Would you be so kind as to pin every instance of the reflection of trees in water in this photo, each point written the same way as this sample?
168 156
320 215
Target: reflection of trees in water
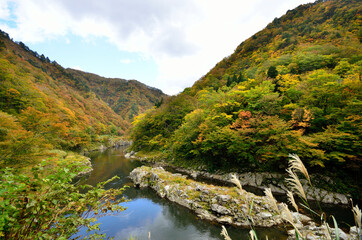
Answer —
184 222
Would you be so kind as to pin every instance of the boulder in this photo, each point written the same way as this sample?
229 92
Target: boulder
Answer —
220 209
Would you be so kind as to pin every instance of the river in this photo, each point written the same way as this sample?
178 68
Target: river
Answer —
147 212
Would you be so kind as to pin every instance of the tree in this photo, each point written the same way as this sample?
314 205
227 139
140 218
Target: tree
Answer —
272 72
47 205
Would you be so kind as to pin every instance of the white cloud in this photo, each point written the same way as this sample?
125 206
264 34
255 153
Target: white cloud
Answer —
77 68
125 61
186 38
4 10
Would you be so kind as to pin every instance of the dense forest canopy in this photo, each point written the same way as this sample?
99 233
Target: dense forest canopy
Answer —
44 106
46 112
294 87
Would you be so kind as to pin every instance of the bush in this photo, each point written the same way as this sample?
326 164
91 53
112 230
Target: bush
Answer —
46 205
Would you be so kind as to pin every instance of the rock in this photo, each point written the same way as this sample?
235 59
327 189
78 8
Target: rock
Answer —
343 235
213 204
340 198
328 198
167 189
225 220
220 209
154 177
204 214
353 230
301 218
223 198
194 174
355 233
130 154
258 179
138 177
265 215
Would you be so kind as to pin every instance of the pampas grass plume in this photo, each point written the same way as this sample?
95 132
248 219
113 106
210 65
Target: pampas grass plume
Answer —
357 216
291 200
224 233
295 184
296 164
269 195
236 181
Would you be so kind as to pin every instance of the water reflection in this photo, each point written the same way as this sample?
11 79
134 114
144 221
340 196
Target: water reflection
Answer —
149 213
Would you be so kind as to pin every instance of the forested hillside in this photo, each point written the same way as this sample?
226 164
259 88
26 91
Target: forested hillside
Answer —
294 87
128 98
44 106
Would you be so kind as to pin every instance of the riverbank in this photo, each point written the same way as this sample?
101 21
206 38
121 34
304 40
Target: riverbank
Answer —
259 180
225 205
105 144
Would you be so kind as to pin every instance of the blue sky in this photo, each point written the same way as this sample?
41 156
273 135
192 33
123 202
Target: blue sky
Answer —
97 55
164 44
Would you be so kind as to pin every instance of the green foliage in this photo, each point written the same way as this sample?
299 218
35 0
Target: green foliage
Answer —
272 72
53 107
293 87
153 128
126 98
45 204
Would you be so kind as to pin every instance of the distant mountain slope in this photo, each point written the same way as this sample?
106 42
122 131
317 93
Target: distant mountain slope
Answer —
294 87
127 98
44 106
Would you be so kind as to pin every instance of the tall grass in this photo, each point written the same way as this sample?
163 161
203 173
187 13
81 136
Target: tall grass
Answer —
296 166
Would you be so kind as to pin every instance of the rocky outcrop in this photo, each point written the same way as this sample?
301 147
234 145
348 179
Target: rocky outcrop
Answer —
88 167
225 205
313 232
274 181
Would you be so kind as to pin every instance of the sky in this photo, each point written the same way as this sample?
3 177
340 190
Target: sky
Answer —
164 44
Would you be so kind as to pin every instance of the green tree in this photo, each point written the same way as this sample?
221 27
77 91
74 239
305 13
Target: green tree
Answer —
45 204
272 72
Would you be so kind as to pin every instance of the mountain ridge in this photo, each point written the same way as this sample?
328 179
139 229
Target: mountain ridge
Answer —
293 87
59 108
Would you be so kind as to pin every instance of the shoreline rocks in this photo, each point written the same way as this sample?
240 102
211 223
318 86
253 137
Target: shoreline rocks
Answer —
226 205
87 162
261 180
214 203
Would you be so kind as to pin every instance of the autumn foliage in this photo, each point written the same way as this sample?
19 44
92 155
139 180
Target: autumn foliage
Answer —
299 92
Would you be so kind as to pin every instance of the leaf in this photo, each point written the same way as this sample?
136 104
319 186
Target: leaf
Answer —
336 229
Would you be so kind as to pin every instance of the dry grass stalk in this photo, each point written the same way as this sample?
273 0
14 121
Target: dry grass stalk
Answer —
236 181
252 235
287 216
295 184
357 216
296 164
291 200
269 195
224 233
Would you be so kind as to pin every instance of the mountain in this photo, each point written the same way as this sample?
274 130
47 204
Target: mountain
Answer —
44 106
127 98
293 87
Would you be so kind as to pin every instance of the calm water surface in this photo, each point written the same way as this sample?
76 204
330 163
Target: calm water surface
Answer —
146 212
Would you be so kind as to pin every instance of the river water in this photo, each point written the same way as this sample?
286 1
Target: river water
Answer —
148 213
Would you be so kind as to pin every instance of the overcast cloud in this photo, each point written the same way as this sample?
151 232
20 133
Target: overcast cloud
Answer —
186 38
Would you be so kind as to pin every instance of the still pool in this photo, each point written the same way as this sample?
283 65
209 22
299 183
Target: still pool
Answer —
148 214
